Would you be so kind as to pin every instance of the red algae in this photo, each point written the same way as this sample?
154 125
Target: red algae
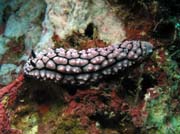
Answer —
157 108
9 91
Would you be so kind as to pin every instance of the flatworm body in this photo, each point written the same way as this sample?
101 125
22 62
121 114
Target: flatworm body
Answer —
86 66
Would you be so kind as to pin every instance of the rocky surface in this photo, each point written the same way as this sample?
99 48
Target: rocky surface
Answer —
144 99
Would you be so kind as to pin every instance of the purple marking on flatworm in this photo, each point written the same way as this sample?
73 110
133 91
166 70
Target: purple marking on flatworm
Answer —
86 66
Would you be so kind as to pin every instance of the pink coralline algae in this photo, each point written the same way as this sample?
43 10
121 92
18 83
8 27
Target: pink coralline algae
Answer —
86 66
90 103
9 91
4 122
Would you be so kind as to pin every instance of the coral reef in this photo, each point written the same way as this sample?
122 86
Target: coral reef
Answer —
8 96
63 20
142 99
20 29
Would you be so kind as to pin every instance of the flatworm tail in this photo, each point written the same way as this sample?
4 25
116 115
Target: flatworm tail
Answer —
83 67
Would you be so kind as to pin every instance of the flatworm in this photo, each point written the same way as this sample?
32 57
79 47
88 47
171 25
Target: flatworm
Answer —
86 66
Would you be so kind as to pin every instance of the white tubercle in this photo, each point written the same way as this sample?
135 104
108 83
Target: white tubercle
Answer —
51 54
39 64
78 62
61 68
97 60
60 60
50 64
45 59
58 76
42 73
88 68
131 55
121 56
76 70
68 69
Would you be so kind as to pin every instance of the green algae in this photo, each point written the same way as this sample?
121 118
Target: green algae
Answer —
28 123
71 126
162 117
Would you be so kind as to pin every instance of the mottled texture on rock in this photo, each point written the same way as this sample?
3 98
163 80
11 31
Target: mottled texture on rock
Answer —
20 26
3 48
22 20
5 73
65 17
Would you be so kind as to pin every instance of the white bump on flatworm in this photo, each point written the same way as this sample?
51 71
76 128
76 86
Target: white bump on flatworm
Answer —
104 52
94 77
76 69
34 60
48 74
60 60
52 75
110 48
135 56
84 77
121 55
116 45
88 68
115 69
73 61
107 71
50 64
115 53
105 63
84 55
82 51
39 64
30 73
58 76
42 73
78 62
111 61
72 50
129 46
50 50
97 60
90 55
75 55
40 55
81 82
68 54
139 51
130 63
93 51
29 67
61 52
89 50
45 59
111 55
96 67
61 68
125 63
125 44
119 65
50 54
36 73
68 69
135 45
69 78
131 55
72 81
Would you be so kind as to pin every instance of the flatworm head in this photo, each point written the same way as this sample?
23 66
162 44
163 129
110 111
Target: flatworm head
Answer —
86 66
